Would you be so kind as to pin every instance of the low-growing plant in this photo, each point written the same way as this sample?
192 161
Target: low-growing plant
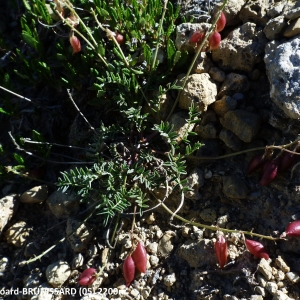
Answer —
123 54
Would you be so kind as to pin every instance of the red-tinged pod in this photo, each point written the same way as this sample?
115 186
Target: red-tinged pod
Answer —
75 43
221 251
139 257
220 25
293 229
128 270
87 277
270 171
256 163
257 249
197 37
287 160
120 38
214 40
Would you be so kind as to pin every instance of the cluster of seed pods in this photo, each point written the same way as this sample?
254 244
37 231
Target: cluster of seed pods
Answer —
137 260
271 167
214 39
254 247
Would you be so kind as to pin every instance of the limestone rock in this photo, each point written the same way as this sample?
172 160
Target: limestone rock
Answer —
274 27
17 234
169 280
265 269
293 13
283 70
58 273
208 215
231 11
241 49
203 63
279 295
275 9
200 90
37 194
8 205
185 31
195 180
271 287
199 253
244 124
165 245
208 117
208 131
234 83
180 125
234 187
217 74
81 236
255 11
281 264
220 107
230 139
63 205
293 28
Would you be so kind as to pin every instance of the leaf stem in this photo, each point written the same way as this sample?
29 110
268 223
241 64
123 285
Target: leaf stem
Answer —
282 147
159 33
216 228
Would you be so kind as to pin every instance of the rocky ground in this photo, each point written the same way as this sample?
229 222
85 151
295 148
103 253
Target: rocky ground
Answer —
247 92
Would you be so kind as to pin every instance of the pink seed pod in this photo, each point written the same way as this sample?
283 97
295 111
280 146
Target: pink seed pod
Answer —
293 229
221 251
287 160
214 40
270 171
87 277
256 163
197 37
128 270
75 43
221 22
257 249
139 257
120 38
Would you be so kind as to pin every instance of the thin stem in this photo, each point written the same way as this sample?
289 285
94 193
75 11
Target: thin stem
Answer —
59 242
10 169
45 159
282 147
110 34
180 205
195 58
159 33
69 5
15 94
216 228
25 140
133 219
77 108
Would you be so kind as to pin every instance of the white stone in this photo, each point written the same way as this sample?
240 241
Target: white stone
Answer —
37 194
58 273
8 205
282 61
200 89
271 287
169 280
